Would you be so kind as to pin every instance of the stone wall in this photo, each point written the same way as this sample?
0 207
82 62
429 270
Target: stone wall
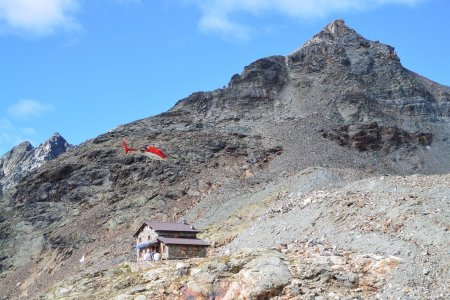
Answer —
185 251
164 250
147 234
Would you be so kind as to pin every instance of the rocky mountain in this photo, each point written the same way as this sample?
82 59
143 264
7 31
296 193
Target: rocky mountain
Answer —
24 158
313 152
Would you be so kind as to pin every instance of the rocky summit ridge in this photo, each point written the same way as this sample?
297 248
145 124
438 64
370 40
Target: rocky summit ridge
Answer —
314 155
24 158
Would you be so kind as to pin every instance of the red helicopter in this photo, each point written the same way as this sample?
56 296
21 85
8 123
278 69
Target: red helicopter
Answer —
149 151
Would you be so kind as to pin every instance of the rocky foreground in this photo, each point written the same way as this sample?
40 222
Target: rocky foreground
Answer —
376 238
301 270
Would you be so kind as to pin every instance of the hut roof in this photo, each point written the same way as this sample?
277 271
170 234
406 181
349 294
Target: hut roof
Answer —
180 241
168 226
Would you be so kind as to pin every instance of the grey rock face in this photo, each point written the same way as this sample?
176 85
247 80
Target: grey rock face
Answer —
12 158
249 95
261 278
15 165
24 158
373 137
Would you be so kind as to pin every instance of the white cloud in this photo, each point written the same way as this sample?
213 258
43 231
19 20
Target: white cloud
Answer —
16 128
221 23
38 17
218 15
28 108
43 17
11 135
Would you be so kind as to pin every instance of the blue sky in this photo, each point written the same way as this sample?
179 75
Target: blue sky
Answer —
82 67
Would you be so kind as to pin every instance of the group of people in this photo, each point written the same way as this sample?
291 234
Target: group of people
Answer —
152 255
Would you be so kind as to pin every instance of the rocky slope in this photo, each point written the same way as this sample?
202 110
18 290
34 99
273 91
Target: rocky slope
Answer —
15 165
292 144
377 238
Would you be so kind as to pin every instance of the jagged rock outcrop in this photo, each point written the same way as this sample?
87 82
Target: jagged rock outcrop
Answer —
339 102
249 95
373 137
24 158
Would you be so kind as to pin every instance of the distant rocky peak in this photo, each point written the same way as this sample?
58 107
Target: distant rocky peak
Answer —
22 147
18 150
52 147
336 32
339 28
337 49
13 157
23 158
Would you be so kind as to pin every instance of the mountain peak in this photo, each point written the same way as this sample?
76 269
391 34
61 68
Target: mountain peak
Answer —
335 32
51 148
338 28
23 158
22 147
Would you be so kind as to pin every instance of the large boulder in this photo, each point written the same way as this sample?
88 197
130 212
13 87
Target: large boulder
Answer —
263 277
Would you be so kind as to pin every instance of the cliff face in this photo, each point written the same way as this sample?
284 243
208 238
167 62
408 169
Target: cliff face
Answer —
24 158
340 102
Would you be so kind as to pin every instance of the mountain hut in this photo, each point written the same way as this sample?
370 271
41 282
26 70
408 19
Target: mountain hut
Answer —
166 240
